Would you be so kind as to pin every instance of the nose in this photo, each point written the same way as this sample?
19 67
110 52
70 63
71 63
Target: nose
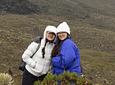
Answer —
52 34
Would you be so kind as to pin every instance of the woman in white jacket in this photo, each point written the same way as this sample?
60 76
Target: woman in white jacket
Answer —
38 66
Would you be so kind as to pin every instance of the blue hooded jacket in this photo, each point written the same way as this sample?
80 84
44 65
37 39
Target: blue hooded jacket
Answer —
69 59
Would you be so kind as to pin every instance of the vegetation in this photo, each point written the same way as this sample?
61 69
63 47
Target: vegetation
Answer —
92 29
18 31
66 78
18 7
5 79
96 14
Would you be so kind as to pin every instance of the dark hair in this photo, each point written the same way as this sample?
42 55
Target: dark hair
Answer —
43 50
56 48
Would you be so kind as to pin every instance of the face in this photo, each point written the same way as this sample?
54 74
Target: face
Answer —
50 36
62 35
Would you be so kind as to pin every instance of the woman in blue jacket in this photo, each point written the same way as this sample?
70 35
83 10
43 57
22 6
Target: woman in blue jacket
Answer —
65 55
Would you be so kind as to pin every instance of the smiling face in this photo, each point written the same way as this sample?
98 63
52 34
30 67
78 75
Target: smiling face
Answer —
50 36
62 35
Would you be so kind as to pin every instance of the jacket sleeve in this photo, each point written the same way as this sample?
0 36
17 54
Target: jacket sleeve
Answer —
68 56
29 52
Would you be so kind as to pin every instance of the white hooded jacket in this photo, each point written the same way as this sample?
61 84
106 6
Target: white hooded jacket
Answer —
37 65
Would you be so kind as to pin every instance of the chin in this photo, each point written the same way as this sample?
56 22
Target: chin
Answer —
61 39
51 41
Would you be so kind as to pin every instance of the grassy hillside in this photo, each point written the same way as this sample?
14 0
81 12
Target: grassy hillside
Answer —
85 37
18 31
92 26
106 5
95 14
18 7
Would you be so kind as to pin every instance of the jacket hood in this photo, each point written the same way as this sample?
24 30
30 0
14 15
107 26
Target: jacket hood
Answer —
63 27
51 29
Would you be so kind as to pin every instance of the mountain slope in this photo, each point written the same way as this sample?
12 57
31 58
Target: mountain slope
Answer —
92 29
18 7
18 31
97 14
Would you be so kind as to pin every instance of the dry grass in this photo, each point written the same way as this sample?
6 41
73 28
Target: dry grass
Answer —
92 26
18 31
98 66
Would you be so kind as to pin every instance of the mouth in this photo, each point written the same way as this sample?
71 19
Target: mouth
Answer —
60 37
50 37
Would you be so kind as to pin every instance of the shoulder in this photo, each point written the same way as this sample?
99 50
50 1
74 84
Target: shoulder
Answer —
33 44
38 39
68 41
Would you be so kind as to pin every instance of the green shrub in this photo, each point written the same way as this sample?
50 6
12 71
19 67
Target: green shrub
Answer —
66 78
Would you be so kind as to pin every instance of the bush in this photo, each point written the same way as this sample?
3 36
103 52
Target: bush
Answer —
66 78
5 79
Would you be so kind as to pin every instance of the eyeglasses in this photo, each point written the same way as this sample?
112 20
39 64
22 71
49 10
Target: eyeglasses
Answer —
59 33
50 32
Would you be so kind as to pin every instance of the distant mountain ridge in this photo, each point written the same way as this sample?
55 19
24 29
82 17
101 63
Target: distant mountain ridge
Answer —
98 14
18 7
